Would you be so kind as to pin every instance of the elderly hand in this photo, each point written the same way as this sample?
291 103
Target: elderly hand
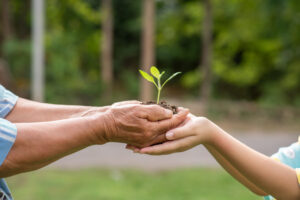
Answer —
136 124
87 111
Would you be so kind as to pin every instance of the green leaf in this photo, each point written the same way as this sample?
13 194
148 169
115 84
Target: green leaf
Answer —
170 78
155 72
147 76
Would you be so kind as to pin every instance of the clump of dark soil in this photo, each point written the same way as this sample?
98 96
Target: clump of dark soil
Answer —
163 104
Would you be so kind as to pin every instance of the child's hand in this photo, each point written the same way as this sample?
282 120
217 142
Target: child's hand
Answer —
194 131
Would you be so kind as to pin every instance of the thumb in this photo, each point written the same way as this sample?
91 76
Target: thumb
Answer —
155 113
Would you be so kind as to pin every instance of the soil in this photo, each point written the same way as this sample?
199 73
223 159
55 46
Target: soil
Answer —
163 104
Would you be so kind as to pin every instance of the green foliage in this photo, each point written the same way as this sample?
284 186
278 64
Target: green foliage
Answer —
17 52
148 77
130 80
155 72
255 48
72 47
191 79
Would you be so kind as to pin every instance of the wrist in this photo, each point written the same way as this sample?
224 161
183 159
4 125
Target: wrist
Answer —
216 134
207 131
97 128
86 111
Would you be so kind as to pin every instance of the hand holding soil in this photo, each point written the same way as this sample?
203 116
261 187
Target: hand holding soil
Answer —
137 124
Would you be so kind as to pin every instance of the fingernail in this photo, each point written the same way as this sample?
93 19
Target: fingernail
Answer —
169 135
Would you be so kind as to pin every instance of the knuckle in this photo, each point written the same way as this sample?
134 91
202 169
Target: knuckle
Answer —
148 134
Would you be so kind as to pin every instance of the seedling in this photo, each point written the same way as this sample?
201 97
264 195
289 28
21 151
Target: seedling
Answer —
155 72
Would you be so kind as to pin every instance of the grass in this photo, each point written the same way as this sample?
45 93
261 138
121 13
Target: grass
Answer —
92 184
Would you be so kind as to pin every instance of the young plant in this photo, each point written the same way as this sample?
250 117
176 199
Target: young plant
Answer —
155 72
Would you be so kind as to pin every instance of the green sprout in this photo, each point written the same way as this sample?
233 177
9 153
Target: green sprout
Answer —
155 72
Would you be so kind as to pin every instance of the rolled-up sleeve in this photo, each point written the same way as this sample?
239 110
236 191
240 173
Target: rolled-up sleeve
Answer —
8 131
7 101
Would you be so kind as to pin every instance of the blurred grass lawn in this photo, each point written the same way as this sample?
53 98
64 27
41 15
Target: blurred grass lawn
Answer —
189 184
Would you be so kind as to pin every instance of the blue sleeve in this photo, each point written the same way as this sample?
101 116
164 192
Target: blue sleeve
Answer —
7 101
8 134
289 156
8 131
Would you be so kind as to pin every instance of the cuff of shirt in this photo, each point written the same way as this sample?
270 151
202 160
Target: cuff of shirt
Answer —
8 134
7 103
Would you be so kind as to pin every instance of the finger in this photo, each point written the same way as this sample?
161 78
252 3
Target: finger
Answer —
159 139
155 113
179 132
169 147
175 121
133 148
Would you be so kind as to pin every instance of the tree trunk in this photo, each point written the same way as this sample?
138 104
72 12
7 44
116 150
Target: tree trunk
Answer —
4 74
6 19
148 51
38 49
206 58
5 22
107 47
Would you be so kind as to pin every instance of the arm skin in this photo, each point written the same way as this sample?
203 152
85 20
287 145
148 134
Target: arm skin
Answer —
247 165
31 111
234 172
38 144
273 177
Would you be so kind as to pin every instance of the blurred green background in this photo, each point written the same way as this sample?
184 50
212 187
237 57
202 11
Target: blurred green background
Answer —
254 74
256 51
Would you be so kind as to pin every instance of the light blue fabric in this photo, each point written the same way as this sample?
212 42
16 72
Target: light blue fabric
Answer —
290 156
8 132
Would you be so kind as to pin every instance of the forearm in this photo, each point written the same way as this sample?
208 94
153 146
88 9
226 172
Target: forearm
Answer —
234 172
31 111
271 176
38 144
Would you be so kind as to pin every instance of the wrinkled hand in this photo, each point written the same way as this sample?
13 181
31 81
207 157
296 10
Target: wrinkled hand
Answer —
91 111
193 131
138 125
123 103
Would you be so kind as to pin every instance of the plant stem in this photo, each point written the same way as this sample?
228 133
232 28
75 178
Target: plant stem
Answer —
158 96
159 89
